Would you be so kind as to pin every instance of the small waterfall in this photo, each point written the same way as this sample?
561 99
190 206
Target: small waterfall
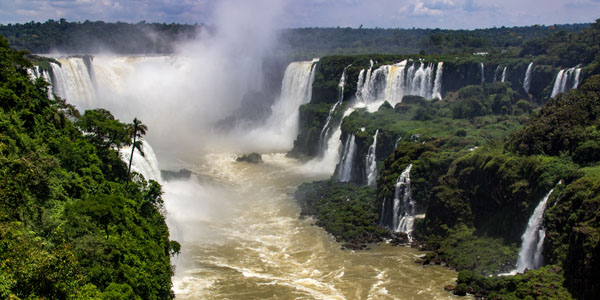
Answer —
392 82
530 255
437 85
371 162
325 130
527 80
503 75
496 73
348 154
36 73
404 206
72 82
146 165
482 73
566 79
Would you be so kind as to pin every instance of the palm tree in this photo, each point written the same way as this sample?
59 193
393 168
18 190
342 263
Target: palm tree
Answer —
139 130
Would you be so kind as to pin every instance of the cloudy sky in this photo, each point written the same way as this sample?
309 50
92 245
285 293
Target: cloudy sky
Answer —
323 13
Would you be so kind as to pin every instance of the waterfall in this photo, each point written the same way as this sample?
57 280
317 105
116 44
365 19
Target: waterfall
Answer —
527 80
437 85
72 82
36 73
482 73
146 165
404 206
325 130
530 255
348 154
392 82
371 162
503 75
496 72
566 79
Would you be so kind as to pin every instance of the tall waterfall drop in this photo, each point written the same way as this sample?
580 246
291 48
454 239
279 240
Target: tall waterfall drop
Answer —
482 73
496 73
404 205
566 79
347 161
146 165
504 74
530 255
371 162
73 82
392 82
326 128
527 80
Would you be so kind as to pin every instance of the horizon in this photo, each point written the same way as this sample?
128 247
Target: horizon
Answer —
384 14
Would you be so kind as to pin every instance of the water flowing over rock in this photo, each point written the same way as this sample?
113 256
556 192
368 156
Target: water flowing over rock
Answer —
72 81
296 89
504 74
36 72
392 82
371 162
347 160
530 255
482 73
527 80
326 128
566 79
146 165
404 205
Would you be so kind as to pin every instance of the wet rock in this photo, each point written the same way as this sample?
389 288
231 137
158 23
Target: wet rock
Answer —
168 175
253 158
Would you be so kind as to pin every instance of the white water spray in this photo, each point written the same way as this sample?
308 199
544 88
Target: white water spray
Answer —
325 130
347 161
527 80
530 255
566 79
404 206
482 73
392 82
371 162
504 74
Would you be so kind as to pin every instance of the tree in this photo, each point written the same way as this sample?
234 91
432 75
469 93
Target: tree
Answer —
138 130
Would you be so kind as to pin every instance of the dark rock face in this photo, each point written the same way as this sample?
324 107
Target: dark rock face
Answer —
253 158
174 175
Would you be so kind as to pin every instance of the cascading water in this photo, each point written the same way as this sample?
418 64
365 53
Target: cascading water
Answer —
371 162
392 82
566 79
146 165
347 161
527 80
72 81
404 206
36 72
530 255
482 73
496 72
326 129
503 75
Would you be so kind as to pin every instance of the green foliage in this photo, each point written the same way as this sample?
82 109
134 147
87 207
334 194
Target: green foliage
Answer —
545 283
71 224
345 210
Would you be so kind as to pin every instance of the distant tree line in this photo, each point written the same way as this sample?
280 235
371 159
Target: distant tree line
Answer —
143 38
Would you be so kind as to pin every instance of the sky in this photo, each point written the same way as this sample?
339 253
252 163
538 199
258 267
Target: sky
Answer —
447 14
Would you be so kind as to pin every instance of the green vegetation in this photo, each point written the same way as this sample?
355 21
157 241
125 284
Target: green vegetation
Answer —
484 157
345 210
72 224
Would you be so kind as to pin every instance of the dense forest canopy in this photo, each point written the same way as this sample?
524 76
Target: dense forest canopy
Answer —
95 36
72 224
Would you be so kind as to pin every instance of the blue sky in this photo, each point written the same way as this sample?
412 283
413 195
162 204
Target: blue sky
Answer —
323 13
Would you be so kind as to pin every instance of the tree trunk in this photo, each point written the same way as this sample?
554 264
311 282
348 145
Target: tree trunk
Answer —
131 157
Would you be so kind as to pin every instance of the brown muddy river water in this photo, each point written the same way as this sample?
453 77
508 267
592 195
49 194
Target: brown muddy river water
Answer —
242 238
